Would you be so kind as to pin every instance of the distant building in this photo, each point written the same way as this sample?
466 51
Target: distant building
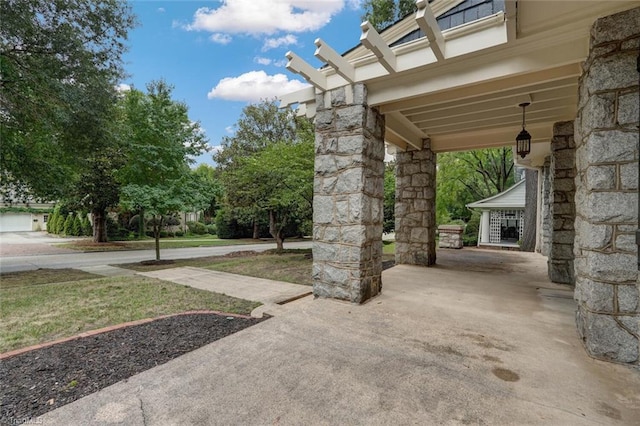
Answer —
502 221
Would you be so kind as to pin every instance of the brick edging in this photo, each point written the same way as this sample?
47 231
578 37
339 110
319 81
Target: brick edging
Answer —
90 333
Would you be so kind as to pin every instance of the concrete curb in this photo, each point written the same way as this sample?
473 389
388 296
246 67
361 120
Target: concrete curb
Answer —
90 333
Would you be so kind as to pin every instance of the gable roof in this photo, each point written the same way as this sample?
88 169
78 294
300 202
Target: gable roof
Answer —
513 197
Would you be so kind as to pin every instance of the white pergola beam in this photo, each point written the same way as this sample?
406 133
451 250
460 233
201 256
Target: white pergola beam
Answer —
325 53
405 130
427 22
308 94
298 65
375 43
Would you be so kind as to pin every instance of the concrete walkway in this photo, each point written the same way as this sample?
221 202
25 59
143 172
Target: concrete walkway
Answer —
269 292
462 343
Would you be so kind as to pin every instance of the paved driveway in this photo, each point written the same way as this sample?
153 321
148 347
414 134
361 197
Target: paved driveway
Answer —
31 244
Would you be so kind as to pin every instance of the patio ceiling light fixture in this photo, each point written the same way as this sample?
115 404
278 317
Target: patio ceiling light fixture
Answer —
523 140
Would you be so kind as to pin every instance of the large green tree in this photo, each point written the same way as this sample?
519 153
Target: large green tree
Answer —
59 64
161 144
382 13
260 125
465 177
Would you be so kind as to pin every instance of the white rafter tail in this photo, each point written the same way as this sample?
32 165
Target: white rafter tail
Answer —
325 53
299 66
372 41
427 22
308 94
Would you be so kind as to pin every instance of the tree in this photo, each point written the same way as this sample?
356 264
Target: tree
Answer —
382 13
162 143
389 203
211 187
464 177
259 126
528 242
277 180
59 63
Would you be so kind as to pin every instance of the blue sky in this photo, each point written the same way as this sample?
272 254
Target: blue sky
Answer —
222 54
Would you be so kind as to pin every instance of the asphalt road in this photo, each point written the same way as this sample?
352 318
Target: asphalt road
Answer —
75 260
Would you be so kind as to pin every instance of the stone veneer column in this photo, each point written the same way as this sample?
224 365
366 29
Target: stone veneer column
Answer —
546 219
348 196
563 211
608 315
416 206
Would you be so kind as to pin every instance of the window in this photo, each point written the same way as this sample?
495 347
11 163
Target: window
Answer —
45 218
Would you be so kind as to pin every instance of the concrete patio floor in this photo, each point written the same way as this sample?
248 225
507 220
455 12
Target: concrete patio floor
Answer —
484 338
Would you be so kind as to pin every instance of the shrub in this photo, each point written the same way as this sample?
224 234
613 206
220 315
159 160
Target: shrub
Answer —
113 229
76 226
211 229
52 222
178 234
197 228
164 234
87 228
60 224
67 227
470 235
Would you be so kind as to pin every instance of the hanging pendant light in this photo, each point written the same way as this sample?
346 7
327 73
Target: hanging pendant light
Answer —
523 140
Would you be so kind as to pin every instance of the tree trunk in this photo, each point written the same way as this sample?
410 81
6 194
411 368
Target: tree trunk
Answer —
528 242
99 217
157 225
256 230
141 227
275 230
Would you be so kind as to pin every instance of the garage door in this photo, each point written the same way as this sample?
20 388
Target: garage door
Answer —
15 222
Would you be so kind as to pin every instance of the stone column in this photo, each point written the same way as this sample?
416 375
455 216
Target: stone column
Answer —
348 196
416 206
563 212
608 316
546 218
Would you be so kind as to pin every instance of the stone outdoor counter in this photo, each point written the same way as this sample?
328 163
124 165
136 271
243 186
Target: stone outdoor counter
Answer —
450 236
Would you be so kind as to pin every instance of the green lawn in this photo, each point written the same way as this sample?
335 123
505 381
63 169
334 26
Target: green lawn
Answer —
165 243
33 312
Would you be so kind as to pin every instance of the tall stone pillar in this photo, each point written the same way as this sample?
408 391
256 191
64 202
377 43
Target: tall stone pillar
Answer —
608 316
546 219
416 206
563 212
348 196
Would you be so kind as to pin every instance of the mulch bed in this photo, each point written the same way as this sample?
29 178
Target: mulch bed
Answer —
44 379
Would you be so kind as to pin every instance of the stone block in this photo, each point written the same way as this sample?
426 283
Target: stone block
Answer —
630 44
349 181
353 144
353 234
626 242
629 176
612 72
560 271
325 165
360 94
605 339
322 209
591 236
419 179
628 106
349 118
563 237
562 251
596 296
611 146
601 177
629 299
563 128
599 111
611 267
324 252
338 97
324 120
616 27
611 207
566 184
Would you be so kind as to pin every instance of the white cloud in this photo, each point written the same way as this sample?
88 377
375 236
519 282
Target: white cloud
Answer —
266 16
254 86
262 61
161 10
220 38
122 87
281 63
274 43
230 130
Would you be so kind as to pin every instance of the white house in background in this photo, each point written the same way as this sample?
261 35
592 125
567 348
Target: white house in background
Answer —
502 219
23 215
